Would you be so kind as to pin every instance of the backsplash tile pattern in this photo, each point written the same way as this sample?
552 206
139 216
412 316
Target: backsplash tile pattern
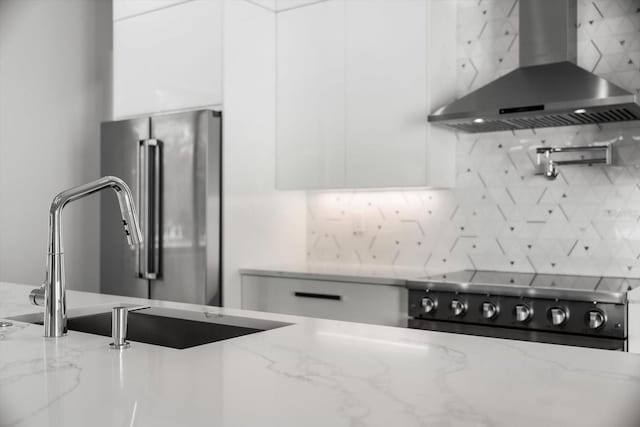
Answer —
487 37
500 216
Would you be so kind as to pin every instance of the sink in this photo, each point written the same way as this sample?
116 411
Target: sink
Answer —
165 327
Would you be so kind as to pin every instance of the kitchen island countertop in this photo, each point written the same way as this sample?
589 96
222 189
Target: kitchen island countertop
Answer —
366 274
313 373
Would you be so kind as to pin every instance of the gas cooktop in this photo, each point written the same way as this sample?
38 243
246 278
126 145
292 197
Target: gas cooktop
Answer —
479 278
556 306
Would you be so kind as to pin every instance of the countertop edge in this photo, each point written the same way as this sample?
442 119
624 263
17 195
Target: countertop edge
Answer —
331 276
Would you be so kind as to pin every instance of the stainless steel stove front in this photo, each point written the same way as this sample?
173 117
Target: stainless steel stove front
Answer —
602 343
564 310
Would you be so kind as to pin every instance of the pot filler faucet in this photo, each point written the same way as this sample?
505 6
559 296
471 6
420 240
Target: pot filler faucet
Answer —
52 293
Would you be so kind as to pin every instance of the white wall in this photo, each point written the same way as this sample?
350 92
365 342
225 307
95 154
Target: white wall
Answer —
261 225
54 91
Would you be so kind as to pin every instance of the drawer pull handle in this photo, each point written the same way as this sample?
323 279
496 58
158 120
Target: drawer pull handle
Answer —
318 296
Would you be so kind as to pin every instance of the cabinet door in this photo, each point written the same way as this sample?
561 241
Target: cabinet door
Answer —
633 316
356 80
127 8
168 59
310 107
386 92
441 89
354 302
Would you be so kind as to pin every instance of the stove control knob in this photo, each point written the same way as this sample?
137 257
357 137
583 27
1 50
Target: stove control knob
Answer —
595 319
558 316
428 305
458 307
523 313
489 310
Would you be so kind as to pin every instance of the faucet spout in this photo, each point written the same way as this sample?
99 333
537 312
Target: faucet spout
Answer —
54 301
129 216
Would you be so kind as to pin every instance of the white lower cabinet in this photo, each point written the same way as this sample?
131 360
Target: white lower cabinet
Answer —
354 302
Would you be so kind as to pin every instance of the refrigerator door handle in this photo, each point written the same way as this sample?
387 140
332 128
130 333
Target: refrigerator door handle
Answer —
149 182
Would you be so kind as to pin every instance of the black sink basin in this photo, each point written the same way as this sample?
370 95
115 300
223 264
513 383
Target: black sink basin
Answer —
160 330
169 327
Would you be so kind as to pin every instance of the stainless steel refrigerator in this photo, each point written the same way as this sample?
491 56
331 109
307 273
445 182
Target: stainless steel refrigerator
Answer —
172 163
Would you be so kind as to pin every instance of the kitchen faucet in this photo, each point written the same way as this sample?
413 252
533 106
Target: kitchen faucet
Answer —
52 293
548 167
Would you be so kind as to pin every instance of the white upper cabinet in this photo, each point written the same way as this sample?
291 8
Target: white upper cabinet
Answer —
441 90
355 86
310 98
128 8
291 4
167 59
386 92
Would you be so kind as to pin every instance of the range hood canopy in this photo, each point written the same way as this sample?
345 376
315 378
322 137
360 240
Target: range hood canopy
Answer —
548 89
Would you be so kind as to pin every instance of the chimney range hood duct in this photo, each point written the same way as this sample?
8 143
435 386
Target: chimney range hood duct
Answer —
548 89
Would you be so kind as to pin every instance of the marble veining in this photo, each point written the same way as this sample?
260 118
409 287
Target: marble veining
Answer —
313 373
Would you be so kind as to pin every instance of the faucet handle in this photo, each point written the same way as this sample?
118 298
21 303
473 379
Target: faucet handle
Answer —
119 328
36 296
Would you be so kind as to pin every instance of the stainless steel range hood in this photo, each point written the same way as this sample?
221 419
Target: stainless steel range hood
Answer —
548 89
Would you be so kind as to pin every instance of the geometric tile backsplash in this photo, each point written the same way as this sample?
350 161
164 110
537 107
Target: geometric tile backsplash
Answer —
500 215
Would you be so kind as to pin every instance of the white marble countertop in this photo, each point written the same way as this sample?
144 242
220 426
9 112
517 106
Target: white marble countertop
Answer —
314 373
368 274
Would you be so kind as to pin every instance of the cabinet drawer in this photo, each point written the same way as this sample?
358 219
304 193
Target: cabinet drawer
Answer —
354 302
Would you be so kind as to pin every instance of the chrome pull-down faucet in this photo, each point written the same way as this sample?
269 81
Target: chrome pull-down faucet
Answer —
52 293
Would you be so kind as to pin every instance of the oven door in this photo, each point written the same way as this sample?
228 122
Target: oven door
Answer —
519 334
